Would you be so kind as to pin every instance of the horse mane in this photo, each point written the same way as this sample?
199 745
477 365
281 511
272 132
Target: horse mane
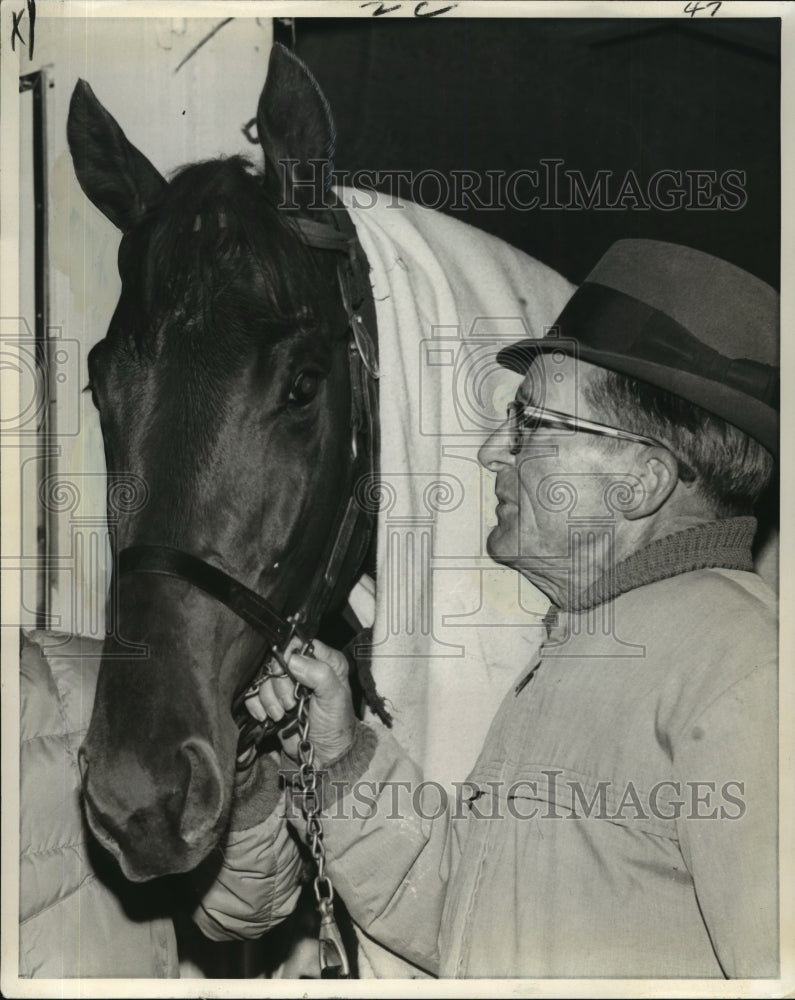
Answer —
219 257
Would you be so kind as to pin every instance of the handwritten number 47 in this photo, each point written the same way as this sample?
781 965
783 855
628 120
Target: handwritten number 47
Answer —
694 7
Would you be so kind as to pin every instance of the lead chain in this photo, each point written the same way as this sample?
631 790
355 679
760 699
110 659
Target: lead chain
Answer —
333 958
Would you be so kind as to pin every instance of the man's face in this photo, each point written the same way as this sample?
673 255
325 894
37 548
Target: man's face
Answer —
559 481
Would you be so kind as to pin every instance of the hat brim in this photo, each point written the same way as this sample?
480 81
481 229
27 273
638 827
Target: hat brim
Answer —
751 416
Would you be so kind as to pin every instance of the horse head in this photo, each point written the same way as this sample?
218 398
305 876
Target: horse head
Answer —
223 389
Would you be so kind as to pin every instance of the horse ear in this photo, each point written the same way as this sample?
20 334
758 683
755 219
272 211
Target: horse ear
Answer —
296 131
115 176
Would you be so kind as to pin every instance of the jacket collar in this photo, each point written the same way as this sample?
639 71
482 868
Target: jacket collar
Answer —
724 544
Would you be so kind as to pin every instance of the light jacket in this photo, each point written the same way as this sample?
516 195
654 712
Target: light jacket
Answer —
621 819
79 917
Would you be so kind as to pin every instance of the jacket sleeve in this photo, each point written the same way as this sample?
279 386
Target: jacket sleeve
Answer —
389 845
728 832
259 881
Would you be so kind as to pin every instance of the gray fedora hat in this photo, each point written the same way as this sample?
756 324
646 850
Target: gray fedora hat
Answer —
682 320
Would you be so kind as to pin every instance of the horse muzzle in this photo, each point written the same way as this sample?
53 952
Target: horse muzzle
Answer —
155 823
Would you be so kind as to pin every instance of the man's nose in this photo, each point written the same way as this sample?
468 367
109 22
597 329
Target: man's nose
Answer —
496 449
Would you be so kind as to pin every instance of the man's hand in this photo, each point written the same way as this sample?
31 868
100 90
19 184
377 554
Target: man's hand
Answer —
331 716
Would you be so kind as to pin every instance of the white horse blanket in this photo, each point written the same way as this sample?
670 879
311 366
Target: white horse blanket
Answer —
452 629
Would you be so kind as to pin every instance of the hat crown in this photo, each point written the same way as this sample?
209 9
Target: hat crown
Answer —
722 305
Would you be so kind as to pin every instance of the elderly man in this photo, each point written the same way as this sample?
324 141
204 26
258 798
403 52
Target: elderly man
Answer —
621 819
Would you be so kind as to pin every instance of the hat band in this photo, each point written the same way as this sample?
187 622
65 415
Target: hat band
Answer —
613 322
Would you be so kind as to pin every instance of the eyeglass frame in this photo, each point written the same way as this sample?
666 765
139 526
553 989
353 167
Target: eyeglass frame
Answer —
519 421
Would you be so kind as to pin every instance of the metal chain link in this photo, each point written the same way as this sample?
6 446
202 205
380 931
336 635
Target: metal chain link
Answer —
333 958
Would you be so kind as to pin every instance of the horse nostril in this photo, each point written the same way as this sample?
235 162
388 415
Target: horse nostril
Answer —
204 797
103 835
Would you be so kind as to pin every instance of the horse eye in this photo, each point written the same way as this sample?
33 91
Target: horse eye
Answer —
305 388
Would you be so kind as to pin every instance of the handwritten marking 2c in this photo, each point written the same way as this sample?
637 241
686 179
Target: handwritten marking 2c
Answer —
419 8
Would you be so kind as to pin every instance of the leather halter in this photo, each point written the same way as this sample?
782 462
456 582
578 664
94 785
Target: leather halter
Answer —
350 536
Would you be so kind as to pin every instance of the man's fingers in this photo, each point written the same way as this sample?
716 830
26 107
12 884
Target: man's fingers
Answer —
255 707
319 675
326 655
269 700
325 673
284 689
274 697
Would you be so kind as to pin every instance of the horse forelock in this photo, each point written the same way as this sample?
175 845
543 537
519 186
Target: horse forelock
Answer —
218 262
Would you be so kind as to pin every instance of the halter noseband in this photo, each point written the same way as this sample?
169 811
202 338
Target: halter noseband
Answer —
353 526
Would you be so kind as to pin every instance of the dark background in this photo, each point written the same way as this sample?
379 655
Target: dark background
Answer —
615 94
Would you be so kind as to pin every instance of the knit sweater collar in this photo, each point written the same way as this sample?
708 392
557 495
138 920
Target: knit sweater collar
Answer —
724 544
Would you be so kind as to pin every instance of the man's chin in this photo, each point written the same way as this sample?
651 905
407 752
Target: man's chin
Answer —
501 548
534 568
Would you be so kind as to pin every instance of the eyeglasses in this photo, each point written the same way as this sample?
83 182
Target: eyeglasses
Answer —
522 419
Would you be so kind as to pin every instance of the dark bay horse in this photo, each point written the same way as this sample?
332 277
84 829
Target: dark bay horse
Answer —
226 385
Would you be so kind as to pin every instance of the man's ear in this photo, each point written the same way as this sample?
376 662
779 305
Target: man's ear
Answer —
658 472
